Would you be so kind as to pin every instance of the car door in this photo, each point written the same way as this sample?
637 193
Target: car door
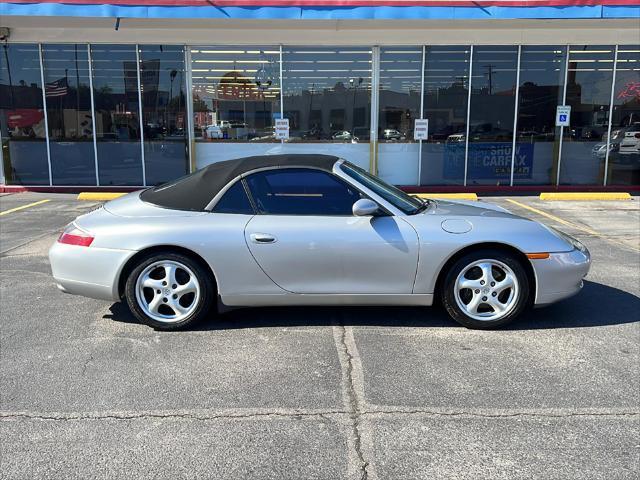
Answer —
306 239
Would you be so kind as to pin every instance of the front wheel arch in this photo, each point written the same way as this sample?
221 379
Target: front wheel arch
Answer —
526 264
135 259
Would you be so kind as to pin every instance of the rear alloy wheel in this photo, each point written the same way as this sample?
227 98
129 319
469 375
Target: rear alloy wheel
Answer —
486 289
169 291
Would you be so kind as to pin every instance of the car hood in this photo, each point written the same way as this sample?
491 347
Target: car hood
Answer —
479 222
131 205
452 208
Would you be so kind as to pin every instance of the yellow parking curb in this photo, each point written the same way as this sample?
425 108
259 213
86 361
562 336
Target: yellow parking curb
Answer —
585 196
448 196
99 196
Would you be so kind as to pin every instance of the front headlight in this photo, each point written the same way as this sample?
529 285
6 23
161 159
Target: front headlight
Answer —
577 244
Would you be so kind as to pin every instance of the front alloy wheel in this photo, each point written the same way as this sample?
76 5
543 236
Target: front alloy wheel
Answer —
486 289
168 291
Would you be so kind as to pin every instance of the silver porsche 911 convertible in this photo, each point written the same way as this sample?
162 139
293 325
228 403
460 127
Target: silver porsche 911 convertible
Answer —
310 230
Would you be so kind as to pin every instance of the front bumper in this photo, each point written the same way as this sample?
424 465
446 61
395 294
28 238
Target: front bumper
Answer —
88 271
560 276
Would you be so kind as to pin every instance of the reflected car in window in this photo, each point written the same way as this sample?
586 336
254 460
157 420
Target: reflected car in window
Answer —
630 142
390 134
213 132
456 138
344 136
599 150
305 229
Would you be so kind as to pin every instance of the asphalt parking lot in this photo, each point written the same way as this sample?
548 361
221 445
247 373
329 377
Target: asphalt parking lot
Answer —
320 393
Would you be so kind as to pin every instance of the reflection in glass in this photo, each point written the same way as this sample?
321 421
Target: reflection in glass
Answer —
400 88
236 100
66 77
542 70
589 78
236 93
493 87
24 149
327 99
115 92
399 99
624 152
327 94
162 82
446 84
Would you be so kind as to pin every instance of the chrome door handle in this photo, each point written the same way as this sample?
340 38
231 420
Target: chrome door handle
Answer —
262 238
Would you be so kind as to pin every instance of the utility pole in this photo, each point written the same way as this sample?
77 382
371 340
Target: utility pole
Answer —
490 75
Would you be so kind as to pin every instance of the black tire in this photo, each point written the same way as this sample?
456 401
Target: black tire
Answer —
448 294
199 311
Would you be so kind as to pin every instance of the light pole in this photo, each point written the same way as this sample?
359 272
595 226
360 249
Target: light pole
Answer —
353 109
172 76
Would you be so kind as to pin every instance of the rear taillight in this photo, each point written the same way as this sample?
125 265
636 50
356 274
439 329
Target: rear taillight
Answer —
72 235
637 135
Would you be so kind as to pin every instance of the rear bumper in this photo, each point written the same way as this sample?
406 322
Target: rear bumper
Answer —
88 271
560 276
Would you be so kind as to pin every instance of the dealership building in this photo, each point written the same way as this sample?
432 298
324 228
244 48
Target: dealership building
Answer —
507 95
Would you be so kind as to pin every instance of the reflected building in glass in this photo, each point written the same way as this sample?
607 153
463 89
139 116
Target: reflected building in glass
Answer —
70 122
136 115
22 117
446 99
542 72
164 112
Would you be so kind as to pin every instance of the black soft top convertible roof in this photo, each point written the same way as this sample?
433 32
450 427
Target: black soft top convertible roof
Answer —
195 191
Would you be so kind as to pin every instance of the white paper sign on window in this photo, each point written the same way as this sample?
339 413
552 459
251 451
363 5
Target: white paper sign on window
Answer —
421 129
282 128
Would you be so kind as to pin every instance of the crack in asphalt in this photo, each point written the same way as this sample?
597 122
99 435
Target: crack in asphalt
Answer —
432 413
354 407
354 415
3 253
13 255
86 364
26 271
166 415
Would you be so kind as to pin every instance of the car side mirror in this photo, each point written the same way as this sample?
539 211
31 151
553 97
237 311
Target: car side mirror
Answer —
365 208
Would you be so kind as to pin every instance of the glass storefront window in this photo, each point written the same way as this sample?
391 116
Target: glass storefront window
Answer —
24 149
66 77
115 93
446 91
493 92
589 78
327 99
236 100
162 83
325 93
542 71
624 152
399 106
400 77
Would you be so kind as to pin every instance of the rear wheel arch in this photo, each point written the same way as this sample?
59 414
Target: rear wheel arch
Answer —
504 247
135 259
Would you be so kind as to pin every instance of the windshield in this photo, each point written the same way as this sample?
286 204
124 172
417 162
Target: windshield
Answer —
404 202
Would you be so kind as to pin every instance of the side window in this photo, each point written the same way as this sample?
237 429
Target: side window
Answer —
300 191
234 200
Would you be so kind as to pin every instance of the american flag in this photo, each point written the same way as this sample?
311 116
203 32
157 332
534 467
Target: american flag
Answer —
57 88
